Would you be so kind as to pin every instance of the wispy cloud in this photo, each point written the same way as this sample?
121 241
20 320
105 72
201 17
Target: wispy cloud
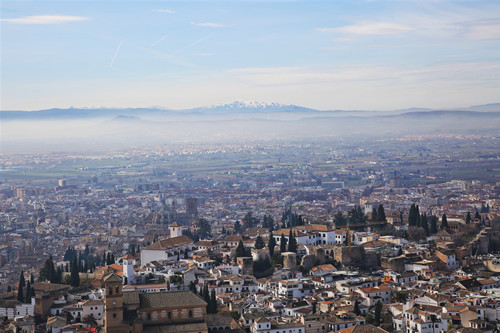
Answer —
116 54
158 41
194 43
369 28
168 11
456 72
44 19
481 29
208 24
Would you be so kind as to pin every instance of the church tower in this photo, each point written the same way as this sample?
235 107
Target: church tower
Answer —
113 304
175 230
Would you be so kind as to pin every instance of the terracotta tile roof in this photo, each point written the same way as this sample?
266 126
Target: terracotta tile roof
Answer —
170 300
169 243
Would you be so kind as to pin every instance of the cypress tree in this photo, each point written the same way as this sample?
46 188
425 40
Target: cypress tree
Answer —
22 283
357 311
213 302
444 222
28 293
467 218
259 243
20 294
283 242
423 223
374 214
237 227
240 250
271 244
74 277
381 213
292 242
206 295
477 216
378 313
434 229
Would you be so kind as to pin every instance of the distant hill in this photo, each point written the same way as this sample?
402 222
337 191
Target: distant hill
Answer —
495 107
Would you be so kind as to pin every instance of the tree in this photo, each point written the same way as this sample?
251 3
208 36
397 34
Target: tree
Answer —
378 313
381 213
468 218
20 294
240 250
213 302
414 216
433 229
283 242
206 295
204 229
249 221
271 244
292 242
28 293
268 222
357 216
477 216
74 276
374 214
357 311
259 243
444 222
237 227
339 219
400 296
22 283
423 223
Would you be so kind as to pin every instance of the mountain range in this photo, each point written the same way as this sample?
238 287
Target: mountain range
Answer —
235 108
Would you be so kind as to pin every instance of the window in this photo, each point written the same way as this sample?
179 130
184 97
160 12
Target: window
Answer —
117 290
149 316
114 315
190 313
170 315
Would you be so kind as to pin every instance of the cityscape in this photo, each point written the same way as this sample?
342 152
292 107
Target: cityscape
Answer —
307 167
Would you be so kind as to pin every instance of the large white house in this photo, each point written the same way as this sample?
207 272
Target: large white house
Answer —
167 249
311 234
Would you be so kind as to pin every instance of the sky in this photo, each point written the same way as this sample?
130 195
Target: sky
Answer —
327 55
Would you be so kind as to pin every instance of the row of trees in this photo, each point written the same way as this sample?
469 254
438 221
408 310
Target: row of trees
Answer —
290 219
25 291
207 296
286 245
48 272
378 214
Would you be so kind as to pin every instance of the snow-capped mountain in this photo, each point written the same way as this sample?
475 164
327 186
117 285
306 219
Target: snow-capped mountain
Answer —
251 106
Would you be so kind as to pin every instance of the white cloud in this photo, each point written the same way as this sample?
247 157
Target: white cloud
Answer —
208 24
168 11
369 28
45 19
482 29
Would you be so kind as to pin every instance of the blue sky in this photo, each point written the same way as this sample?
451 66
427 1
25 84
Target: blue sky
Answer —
321 54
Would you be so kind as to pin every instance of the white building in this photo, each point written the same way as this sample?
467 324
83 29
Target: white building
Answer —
167 249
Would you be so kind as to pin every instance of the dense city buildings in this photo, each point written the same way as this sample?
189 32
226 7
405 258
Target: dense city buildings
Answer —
397 236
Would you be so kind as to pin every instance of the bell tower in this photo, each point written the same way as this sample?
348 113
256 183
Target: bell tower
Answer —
113 304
